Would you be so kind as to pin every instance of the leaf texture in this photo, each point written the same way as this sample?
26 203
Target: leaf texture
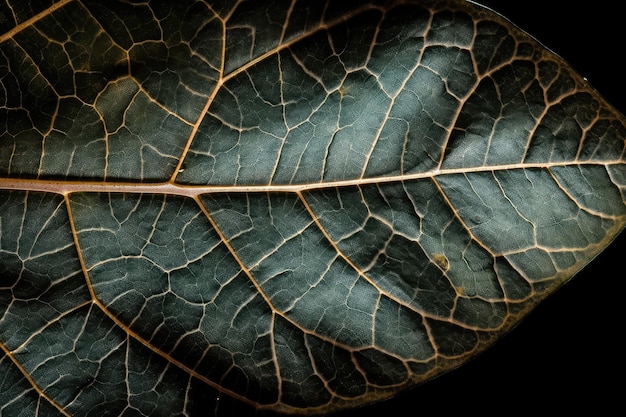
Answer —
288 206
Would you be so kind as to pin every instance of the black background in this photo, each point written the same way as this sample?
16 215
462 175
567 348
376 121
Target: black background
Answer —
568 355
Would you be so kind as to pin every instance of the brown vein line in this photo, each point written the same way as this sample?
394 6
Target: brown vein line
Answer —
268 301
369 280
79 251
275 311
281 83
468 229
584 208
32 381
66 187
210 99
224 78
493 70
27 375
17 29
122 325
326 381
287 20
318 28
392 101
248 273
195 128
167 357
246 270
419 243
506 321
129 331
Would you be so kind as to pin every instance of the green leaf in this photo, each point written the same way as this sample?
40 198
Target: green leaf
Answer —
289 207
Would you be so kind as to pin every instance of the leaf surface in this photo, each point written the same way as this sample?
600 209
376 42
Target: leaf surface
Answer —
301 207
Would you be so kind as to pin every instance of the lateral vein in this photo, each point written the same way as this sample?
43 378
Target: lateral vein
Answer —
27 23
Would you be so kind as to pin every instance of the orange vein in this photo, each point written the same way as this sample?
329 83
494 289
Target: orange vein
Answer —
31 381
27 23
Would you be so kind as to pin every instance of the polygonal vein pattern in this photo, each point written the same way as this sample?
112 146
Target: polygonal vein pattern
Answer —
286 205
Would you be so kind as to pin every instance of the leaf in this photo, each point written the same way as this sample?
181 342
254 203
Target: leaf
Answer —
297 207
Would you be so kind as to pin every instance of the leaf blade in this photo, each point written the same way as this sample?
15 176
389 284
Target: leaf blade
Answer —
430 187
